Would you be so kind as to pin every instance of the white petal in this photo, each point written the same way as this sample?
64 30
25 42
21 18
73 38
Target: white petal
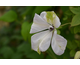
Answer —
45 43
58 44
56 22
43 14
39 24
41 40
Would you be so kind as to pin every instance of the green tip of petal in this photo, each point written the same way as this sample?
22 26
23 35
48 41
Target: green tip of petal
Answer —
38 51
50 16
77 55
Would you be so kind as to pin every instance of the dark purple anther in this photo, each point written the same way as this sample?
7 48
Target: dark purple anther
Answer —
51 28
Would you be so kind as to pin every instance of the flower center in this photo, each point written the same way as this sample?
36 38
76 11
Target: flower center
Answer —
51 28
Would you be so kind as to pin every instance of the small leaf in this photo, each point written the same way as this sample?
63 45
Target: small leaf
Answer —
78 43
9 16
25 48
71 45
65 18
64 9
77 55
69 13
75 20
25 30
17 56
59 27
58 32
77 29
35 55
75 10
72 53
18 37
5 40
28 10
6 52
72 30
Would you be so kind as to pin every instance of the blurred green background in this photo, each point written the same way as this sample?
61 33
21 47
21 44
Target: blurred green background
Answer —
15 39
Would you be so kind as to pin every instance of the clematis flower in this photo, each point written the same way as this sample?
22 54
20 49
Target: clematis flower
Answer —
44 25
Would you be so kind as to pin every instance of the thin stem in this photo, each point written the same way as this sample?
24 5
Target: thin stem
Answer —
51 54
65 24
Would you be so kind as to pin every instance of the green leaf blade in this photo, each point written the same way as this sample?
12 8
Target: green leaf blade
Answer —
9 16
72 53
24 30
75 20
77 29
75 10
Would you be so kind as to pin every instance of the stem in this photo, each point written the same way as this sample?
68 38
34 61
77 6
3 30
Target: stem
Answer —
65 24
51 54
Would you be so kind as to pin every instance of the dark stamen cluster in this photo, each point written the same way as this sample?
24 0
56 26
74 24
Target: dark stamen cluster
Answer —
51 28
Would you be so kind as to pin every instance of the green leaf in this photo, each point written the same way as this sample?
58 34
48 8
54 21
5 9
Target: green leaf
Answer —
65 18
75 10
77 29
64 9
68 13
78 43
25 30
25 48
17 56
75 20
6 52
72 30
71 45
72 53
35 55
59 27
18 37
5 40
9 16
58 32
28 10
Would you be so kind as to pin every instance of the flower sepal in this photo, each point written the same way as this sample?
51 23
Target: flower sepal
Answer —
38 51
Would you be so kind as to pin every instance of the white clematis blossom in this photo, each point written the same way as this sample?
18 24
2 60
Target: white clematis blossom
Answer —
45 25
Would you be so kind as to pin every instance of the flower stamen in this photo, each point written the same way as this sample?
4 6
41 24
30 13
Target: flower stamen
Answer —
51 28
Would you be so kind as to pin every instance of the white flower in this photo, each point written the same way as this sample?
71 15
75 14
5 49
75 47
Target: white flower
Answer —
46 25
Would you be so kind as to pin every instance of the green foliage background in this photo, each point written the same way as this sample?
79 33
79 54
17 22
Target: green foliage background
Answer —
15 39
